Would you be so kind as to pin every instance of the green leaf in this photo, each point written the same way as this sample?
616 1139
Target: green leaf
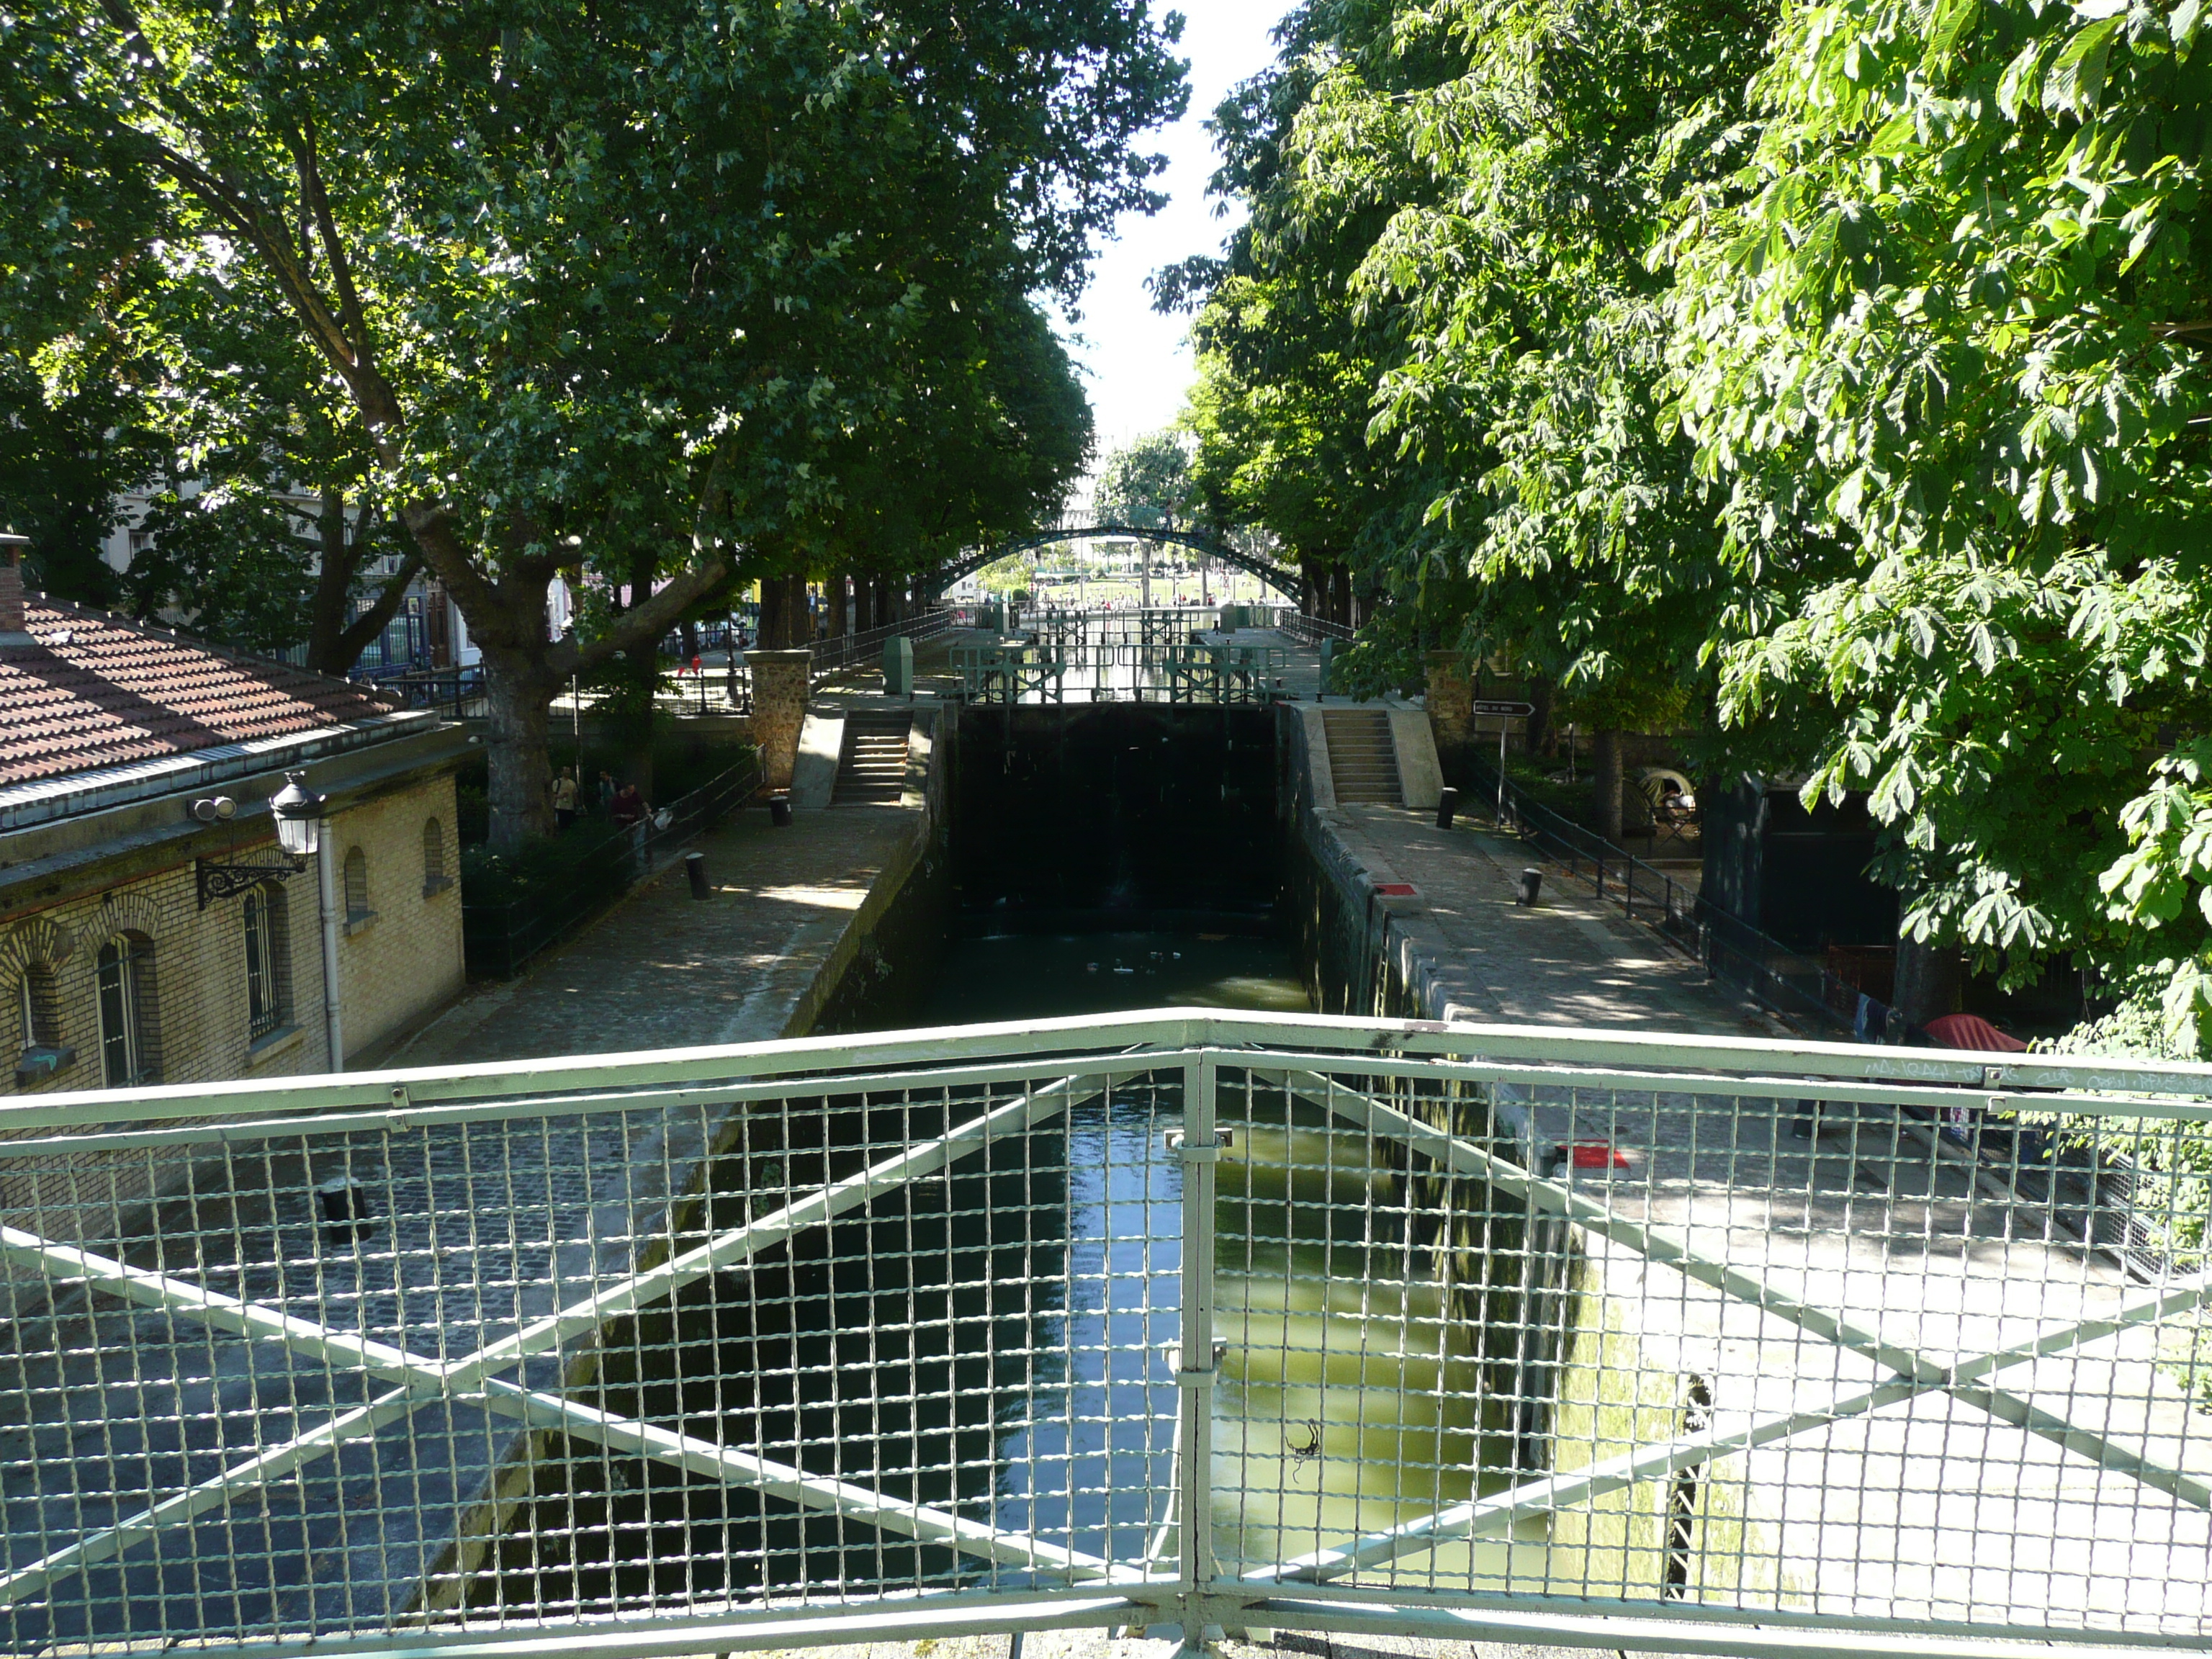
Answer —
2181 26
2077 79
1952 22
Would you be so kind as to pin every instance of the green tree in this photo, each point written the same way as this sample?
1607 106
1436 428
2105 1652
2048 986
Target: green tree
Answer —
1145 484
1941 344
599 289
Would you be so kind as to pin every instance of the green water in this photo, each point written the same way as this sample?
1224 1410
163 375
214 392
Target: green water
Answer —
1348 1388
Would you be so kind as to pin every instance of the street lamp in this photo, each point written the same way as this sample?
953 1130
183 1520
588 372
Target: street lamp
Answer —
299 813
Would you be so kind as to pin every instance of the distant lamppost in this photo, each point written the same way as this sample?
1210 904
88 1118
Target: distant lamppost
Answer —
299 812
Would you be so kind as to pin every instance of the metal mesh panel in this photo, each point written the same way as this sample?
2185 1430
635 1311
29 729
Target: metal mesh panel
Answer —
1859 1360
540 1368
1310 1324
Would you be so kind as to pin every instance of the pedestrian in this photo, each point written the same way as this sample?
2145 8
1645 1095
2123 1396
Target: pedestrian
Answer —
564 798
606 794
628 813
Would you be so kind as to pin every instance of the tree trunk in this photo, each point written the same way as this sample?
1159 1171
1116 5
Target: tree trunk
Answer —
517 748
1539 719
634 708
1340 595
838 612
864 602
1606 779
1930 981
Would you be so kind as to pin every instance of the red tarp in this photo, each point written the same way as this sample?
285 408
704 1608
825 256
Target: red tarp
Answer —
1972 1031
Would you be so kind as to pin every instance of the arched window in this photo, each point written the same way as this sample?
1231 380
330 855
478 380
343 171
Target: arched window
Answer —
38 1008
268 961
127 975
435 878
356 886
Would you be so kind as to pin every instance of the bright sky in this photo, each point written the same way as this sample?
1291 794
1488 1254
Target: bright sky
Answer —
1137 365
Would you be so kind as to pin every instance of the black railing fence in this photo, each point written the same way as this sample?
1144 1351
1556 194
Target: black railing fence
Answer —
843 651
1792 983
1312 630
458 693
523 905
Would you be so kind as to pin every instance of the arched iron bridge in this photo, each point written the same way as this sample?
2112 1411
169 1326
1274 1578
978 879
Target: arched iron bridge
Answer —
1283 580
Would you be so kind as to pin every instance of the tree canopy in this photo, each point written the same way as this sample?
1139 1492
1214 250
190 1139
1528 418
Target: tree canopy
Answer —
591 289
1146 483
1830 371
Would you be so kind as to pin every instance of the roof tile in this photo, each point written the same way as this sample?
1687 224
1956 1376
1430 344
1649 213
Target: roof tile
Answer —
103 691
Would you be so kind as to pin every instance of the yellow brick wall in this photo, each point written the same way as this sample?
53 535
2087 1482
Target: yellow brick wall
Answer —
406 960
194 1015
398 968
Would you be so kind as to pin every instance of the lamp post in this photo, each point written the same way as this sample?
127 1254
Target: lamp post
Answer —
299 813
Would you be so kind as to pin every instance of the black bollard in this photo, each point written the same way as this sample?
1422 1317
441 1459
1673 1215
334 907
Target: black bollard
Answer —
1447 804
695 866
779 811
1531 882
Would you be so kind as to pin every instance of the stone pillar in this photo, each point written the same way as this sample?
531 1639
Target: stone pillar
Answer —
1451 708
779 687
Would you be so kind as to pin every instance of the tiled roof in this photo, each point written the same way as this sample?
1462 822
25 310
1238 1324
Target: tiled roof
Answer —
102 691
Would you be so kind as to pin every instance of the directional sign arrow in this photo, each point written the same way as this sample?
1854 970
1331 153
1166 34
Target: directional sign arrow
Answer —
1503 709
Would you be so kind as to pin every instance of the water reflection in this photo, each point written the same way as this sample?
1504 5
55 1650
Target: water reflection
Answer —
995 1343
1351 1390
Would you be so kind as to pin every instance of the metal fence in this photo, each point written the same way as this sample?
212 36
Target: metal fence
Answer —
458 693
1313 629
843 651
579 875
1793 983
1186 1322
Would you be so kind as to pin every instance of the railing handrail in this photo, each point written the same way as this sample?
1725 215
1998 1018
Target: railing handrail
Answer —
620 847
1131 1252
1874 1020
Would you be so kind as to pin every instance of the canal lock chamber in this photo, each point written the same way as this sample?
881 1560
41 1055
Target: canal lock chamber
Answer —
995 1342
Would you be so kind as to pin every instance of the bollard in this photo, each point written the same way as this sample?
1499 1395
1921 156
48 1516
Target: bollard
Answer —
695 866
1531 882
1447 804
779 811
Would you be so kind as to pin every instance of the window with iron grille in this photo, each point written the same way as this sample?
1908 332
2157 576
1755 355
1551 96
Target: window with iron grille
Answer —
435 879
125 971
268 994
356 885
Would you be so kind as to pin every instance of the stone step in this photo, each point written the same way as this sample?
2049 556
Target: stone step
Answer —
872 764
1362 761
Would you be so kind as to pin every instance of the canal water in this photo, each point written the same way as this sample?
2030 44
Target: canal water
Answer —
997 1342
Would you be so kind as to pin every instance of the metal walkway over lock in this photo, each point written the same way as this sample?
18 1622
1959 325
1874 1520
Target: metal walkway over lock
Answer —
1189 1322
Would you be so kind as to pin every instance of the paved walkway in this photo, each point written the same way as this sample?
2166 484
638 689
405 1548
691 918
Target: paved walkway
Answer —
663 970
1569 960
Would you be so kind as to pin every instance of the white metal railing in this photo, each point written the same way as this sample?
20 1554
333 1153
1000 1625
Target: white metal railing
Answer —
1188 1322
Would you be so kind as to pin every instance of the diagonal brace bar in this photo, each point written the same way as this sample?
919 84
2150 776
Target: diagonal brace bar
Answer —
426 1380
1921 1374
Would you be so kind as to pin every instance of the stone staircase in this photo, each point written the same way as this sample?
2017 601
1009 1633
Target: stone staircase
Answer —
871 766
1362 760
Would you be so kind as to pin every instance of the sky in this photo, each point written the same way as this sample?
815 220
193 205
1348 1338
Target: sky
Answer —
1137 364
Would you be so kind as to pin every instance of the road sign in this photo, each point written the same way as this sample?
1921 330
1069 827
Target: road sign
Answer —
1507 708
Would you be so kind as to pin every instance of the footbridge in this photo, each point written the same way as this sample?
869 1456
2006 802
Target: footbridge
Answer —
1281 578
1695 1344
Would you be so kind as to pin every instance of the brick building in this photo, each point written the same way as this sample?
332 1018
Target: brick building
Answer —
151 930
